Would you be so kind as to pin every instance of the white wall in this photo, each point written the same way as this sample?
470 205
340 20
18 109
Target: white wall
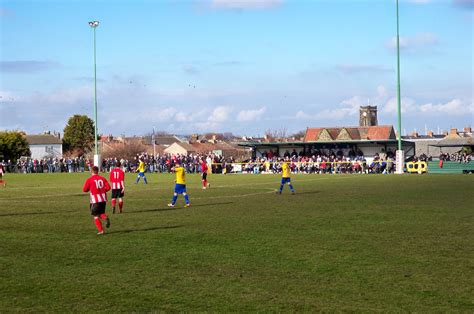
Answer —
175 149
46 150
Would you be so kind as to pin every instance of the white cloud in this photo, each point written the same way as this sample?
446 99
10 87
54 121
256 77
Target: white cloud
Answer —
251 115
348 108
220 114
166 114
407 105
382 91
453 107
245 4
414 43
183 117
6 96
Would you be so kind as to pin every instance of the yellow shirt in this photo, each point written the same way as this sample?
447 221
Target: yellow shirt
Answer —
180 175
141 166
285 170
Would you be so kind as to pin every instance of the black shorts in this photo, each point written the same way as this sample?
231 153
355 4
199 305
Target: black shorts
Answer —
98 208
117 193
204 175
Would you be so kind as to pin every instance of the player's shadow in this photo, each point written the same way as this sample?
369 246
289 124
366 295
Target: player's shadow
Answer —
163 209
145 229
308 192
26 214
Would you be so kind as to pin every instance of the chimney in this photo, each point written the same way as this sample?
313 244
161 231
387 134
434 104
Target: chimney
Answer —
430 134
453 132
467 129
414 134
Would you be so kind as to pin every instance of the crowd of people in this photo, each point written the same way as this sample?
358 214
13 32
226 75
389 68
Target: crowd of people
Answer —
315 161
324 161
458 157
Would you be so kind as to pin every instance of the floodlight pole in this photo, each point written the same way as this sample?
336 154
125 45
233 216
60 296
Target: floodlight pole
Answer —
153 140
94 25
400 154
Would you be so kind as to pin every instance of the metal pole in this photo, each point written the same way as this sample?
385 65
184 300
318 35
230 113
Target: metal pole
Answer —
398 87
400 155
153 139
95 96
97 162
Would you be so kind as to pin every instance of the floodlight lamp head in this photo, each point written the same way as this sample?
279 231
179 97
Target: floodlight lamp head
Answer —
94 24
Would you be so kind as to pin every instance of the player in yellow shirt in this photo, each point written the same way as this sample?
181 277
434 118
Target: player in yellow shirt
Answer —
180 186
285 176
141 171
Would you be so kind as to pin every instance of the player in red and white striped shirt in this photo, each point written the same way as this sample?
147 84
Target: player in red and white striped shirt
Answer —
98 187
117 177
2 171
204 170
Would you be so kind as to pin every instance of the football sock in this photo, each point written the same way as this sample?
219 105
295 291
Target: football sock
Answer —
186 198
291 188
203 183
281 187
144 179
98 224
120 205
103 216
114 202
175 197
138 179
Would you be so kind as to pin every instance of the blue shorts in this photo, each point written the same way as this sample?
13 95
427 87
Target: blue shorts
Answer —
285 180
141 174
180 188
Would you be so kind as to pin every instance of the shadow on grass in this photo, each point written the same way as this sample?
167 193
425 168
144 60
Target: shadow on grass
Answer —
307 192
26 214
163 209
145 229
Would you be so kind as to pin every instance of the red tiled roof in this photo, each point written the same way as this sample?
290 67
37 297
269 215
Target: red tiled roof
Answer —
380 132
334 132
353 133
312 134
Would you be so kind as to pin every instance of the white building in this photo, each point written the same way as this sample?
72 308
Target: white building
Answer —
45 145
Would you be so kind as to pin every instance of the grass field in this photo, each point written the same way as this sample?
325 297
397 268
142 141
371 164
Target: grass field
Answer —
342 243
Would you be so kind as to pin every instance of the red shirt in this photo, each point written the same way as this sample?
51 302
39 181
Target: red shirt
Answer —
203 167
116 178
98 187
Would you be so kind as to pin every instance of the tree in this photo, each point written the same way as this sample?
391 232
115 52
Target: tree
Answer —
299 135
13 145
275 135
79 134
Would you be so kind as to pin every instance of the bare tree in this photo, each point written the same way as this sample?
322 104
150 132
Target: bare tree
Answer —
276 135
299 135
122 150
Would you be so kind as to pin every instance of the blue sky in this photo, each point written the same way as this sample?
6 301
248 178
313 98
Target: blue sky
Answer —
244 66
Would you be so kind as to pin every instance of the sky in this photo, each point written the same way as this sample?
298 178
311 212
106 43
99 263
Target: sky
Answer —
241 66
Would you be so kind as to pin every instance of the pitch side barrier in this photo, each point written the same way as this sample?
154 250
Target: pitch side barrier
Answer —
326 166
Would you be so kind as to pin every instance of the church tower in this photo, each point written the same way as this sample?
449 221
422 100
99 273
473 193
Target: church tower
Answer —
368 116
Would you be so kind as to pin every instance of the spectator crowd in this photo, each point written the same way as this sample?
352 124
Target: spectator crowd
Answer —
315 161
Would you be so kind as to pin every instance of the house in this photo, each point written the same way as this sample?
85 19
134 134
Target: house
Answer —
221 148
45 145
180 148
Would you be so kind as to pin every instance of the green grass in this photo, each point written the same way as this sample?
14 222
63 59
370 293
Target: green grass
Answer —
342 243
